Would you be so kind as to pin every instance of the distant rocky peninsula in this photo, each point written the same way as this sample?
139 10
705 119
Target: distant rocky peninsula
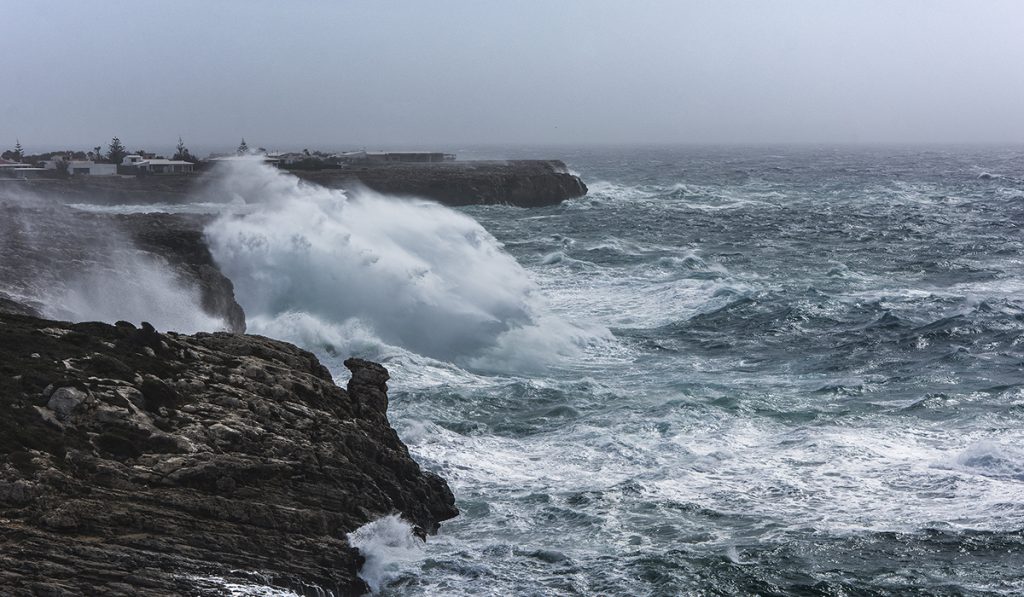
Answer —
144 178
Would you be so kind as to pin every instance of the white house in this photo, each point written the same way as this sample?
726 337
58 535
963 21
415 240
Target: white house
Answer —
81 167
88 168
11 169
157 165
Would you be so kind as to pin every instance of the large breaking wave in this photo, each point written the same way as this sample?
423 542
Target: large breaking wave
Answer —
72 268
342 273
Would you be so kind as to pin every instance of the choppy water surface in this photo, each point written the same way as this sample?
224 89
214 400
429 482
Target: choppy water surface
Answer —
771 371
813 384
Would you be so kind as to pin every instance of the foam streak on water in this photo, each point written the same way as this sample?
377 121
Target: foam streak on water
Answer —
816 385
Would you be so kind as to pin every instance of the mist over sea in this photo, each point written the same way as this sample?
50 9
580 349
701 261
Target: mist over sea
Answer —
725 371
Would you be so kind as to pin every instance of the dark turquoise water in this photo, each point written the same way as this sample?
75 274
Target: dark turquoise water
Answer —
814 384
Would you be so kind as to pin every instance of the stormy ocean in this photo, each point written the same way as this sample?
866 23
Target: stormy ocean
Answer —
724 371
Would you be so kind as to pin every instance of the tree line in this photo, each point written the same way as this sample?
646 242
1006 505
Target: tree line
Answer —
115 153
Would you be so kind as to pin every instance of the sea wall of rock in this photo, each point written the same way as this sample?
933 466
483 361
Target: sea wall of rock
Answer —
137 462
524 183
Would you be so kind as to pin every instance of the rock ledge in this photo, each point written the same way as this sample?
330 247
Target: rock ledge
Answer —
134 462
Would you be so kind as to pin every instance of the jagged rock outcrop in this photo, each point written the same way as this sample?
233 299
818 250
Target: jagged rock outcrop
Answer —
135 462
43 249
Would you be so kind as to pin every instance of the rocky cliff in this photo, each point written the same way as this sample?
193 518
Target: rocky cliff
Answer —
524 183
134 462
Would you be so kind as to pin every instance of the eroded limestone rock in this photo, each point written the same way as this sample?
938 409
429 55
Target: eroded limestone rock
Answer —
138 462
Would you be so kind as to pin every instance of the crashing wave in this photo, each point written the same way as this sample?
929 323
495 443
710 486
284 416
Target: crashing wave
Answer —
342 273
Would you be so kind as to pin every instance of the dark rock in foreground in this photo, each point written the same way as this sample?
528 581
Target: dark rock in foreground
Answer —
134 462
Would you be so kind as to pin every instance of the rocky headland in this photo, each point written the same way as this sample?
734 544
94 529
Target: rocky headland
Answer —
523 183
137 462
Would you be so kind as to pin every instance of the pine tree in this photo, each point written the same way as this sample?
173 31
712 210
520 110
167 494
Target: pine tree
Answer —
182 153
18 151
116 152
243 149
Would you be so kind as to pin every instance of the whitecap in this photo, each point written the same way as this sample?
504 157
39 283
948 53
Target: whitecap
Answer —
386 543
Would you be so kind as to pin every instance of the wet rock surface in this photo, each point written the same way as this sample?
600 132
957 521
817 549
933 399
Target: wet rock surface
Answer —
139 462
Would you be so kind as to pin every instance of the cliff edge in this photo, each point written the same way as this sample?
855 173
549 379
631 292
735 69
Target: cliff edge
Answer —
137 462
523 183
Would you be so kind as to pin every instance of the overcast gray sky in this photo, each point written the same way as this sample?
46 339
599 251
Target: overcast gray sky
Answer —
393 73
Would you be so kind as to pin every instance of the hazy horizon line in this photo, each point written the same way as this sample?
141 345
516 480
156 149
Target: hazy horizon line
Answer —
419 146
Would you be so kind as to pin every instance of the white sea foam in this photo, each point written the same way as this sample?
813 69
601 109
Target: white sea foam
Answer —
98 274
233 588
134 287
313 265
678 195
989 459
386 543
650 296
207 207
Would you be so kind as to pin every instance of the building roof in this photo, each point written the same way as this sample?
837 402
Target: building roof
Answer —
239 158
163 162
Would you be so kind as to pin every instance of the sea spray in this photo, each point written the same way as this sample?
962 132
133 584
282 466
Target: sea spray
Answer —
342 273
77 268
131 286
385 543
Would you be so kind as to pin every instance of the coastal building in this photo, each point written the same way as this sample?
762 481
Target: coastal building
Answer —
409 156
137 164
10 166
28 172
12 169
314 160
89 168
318 160
80 167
